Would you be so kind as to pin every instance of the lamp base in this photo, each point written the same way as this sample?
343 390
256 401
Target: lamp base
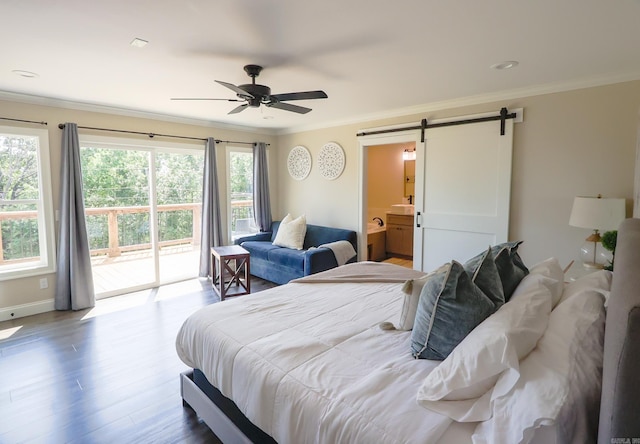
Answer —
592 255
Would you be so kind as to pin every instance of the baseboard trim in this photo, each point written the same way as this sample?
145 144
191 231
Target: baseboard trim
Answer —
20 311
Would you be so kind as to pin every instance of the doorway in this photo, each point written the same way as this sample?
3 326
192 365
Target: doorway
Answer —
384 182
143 208
390 195
462 186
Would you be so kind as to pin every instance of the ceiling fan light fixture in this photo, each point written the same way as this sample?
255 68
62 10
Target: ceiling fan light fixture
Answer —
507 64
254 95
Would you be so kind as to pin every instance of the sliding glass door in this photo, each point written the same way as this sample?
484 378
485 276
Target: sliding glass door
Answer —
142 206
179 196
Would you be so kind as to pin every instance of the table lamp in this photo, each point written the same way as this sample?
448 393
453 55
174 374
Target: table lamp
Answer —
596 213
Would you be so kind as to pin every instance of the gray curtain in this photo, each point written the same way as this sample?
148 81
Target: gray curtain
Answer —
211 226
261 199
74 281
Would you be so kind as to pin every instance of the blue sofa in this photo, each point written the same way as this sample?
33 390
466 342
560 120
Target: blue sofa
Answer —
280 265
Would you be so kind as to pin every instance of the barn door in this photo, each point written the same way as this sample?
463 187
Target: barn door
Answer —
462 195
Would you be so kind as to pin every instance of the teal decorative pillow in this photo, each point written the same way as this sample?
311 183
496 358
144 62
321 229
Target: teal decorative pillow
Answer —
450 306
510 268
509 264
484 273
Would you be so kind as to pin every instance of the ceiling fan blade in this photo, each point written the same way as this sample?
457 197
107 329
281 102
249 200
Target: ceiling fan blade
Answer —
300 96
235 89
203 98
237 109
289 107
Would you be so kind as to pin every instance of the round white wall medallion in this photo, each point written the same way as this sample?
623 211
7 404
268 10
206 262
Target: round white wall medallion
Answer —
331 161
299 162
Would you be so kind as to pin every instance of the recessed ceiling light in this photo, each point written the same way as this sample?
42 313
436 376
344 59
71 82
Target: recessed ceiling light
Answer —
505 65
23 73
138 43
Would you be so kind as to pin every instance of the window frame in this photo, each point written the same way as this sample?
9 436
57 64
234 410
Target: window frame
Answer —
44 206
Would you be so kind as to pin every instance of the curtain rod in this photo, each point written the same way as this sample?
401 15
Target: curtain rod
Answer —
152 135
23 121
504 115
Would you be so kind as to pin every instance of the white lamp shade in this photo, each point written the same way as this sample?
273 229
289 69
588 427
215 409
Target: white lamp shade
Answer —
597 213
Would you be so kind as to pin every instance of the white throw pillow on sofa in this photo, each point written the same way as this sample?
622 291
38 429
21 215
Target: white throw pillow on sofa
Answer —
291 232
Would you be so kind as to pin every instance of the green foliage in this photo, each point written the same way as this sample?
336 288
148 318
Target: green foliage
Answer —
18 167
114 178
241 175
120 178
609 239
179 178
111 178
19 181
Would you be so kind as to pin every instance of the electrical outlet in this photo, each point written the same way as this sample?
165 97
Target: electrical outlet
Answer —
44 283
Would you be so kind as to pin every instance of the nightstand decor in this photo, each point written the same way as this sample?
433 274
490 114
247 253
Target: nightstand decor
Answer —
596 213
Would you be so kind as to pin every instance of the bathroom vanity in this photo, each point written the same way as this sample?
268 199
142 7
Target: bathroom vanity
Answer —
400 234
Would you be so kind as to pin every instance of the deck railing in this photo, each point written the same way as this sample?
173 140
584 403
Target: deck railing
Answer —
112 243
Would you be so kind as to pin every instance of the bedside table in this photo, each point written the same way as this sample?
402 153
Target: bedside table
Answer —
576 270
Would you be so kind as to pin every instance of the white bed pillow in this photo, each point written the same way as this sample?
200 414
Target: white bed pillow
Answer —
551 268
291 232
560 381
485 365
599 281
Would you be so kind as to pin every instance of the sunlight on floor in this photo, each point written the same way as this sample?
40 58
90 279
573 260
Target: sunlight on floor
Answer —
8 332
139 298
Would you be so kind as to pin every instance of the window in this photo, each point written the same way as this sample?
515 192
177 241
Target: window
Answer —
240 192
26 212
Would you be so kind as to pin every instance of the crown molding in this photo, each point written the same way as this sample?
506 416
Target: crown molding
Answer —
517 93
105 109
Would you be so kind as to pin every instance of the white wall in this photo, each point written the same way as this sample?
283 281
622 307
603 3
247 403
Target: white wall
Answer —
580 142
573 143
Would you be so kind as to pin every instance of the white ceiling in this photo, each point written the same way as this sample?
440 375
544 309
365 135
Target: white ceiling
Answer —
370 56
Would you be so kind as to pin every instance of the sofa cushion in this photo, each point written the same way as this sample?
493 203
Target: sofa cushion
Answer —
259 249
291 232
287 257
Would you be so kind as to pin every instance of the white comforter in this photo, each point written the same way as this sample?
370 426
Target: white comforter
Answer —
307 362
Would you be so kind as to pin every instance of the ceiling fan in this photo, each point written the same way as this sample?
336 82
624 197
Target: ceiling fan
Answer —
255 95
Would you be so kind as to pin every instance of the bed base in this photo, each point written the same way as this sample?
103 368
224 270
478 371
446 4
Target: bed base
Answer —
219 413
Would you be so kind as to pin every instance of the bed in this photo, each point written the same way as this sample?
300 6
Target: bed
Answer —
322 360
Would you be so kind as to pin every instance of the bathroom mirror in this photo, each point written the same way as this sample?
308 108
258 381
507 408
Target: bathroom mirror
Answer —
409 178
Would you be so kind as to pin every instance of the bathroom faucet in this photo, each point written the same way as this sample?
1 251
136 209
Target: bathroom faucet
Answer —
380 222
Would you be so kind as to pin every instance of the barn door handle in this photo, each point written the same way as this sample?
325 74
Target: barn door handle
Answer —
418 219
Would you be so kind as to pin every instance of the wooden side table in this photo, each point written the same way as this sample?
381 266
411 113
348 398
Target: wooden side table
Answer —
229 262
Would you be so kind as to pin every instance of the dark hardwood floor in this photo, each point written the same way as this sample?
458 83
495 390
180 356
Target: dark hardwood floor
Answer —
109 374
